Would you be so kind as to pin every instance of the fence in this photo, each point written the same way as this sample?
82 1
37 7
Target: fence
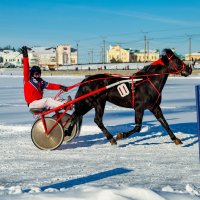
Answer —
197 91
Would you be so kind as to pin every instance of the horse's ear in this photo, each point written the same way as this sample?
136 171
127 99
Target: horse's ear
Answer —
163 53
168 52
163 56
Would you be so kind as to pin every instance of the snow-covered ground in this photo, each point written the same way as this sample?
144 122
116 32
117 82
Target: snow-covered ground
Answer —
146 166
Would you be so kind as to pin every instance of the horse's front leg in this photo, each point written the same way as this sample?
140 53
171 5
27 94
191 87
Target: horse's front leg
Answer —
159 116
99 111
139 112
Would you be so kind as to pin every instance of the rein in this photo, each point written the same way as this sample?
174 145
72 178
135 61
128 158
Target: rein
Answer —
114 76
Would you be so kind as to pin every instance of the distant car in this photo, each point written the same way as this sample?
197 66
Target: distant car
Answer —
9 65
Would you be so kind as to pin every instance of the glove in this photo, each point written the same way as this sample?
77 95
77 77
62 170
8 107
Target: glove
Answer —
64 88
24 51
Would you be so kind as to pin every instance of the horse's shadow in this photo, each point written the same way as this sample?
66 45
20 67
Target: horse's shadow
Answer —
189 131
148 132
85 141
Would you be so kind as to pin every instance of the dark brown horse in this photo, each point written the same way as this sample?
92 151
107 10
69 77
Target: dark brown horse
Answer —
143 94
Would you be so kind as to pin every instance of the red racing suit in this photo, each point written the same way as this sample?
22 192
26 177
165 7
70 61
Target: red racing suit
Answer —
33 89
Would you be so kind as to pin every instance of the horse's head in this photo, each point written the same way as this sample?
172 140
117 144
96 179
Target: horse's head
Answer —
188 69
175 64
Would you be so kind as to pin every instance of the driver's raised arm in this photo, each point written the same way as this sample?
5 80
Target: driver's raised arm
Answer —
26 72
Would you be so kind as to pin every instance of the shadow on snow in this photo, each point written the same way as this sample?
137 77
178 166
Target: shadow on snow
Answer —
148 132
86 179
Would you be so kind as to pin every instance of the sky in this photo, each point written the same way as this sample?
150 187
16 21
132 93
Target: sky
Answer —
92 23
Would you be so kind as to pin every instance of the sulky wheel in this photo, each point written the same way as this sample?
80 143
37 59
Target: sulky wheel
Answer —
47 142
75 130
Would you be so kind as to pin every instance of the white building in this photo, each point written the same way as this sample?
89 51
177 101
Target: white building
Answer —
66 55
63 54
10 58
47 57
42 56
52 57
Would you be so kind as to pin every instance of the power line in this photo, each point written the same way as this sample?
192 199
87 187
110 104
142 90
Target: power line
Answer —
138 32
100 44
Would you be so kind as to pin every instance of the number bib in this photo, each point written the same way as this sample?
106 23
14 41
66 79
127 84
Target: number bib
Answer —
123 90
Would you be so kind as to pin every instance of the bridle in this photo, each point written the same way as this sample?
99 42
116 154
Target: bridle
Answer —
177 71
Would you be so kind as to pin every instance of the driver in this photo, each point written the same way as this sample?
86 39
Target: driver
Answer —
34 86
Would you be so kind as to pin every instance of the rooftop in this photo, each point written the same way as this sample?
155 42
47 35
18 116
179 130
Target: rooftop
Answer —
43 50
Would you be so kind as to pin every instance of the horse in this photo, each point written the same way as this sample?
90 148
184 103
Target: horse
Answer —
142 91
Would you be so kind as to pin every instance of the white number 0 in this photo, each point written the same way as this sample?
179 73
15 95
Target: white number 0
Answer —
123 90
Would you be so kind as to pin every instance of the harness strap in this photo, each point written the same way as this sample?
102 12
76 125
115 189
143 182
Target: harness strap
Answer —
177 71
155 90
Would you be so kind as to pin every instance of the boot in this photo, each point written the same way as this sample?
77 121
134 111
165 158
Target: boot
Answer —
68 99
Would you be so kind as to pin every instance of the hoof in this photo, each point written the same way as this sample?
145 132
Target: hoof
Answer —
177 141
119 136
113 141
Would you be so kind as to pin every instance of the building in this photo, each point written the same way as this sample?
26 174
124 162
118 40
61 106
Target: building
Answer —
142 56
193 56
10 58
63 55
118 54
52 57
74 56
42 56
66 55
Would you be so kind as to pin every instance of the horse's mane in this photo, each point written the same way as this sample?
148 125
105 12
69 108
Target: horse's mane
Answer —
152 68
148 69
96 76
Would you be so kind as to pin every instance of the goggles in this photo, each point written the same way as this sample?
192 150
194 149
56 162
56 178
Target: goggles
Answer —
36 74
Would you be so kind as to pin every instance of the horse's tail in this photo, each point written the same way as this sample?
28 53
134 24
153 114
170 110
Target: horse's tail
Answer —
79 124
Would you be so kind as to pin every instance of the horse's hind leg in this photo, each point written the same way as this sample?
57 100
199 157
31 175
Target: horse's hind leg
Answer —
99 111
74 119
76 116
139 112
159 115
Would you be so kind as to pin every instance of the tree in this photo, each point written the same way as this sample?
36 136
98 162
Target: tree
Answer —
113 60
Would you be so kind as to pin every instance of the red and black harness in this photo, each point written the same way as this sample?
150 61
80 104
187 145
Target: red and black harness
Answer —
136 79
